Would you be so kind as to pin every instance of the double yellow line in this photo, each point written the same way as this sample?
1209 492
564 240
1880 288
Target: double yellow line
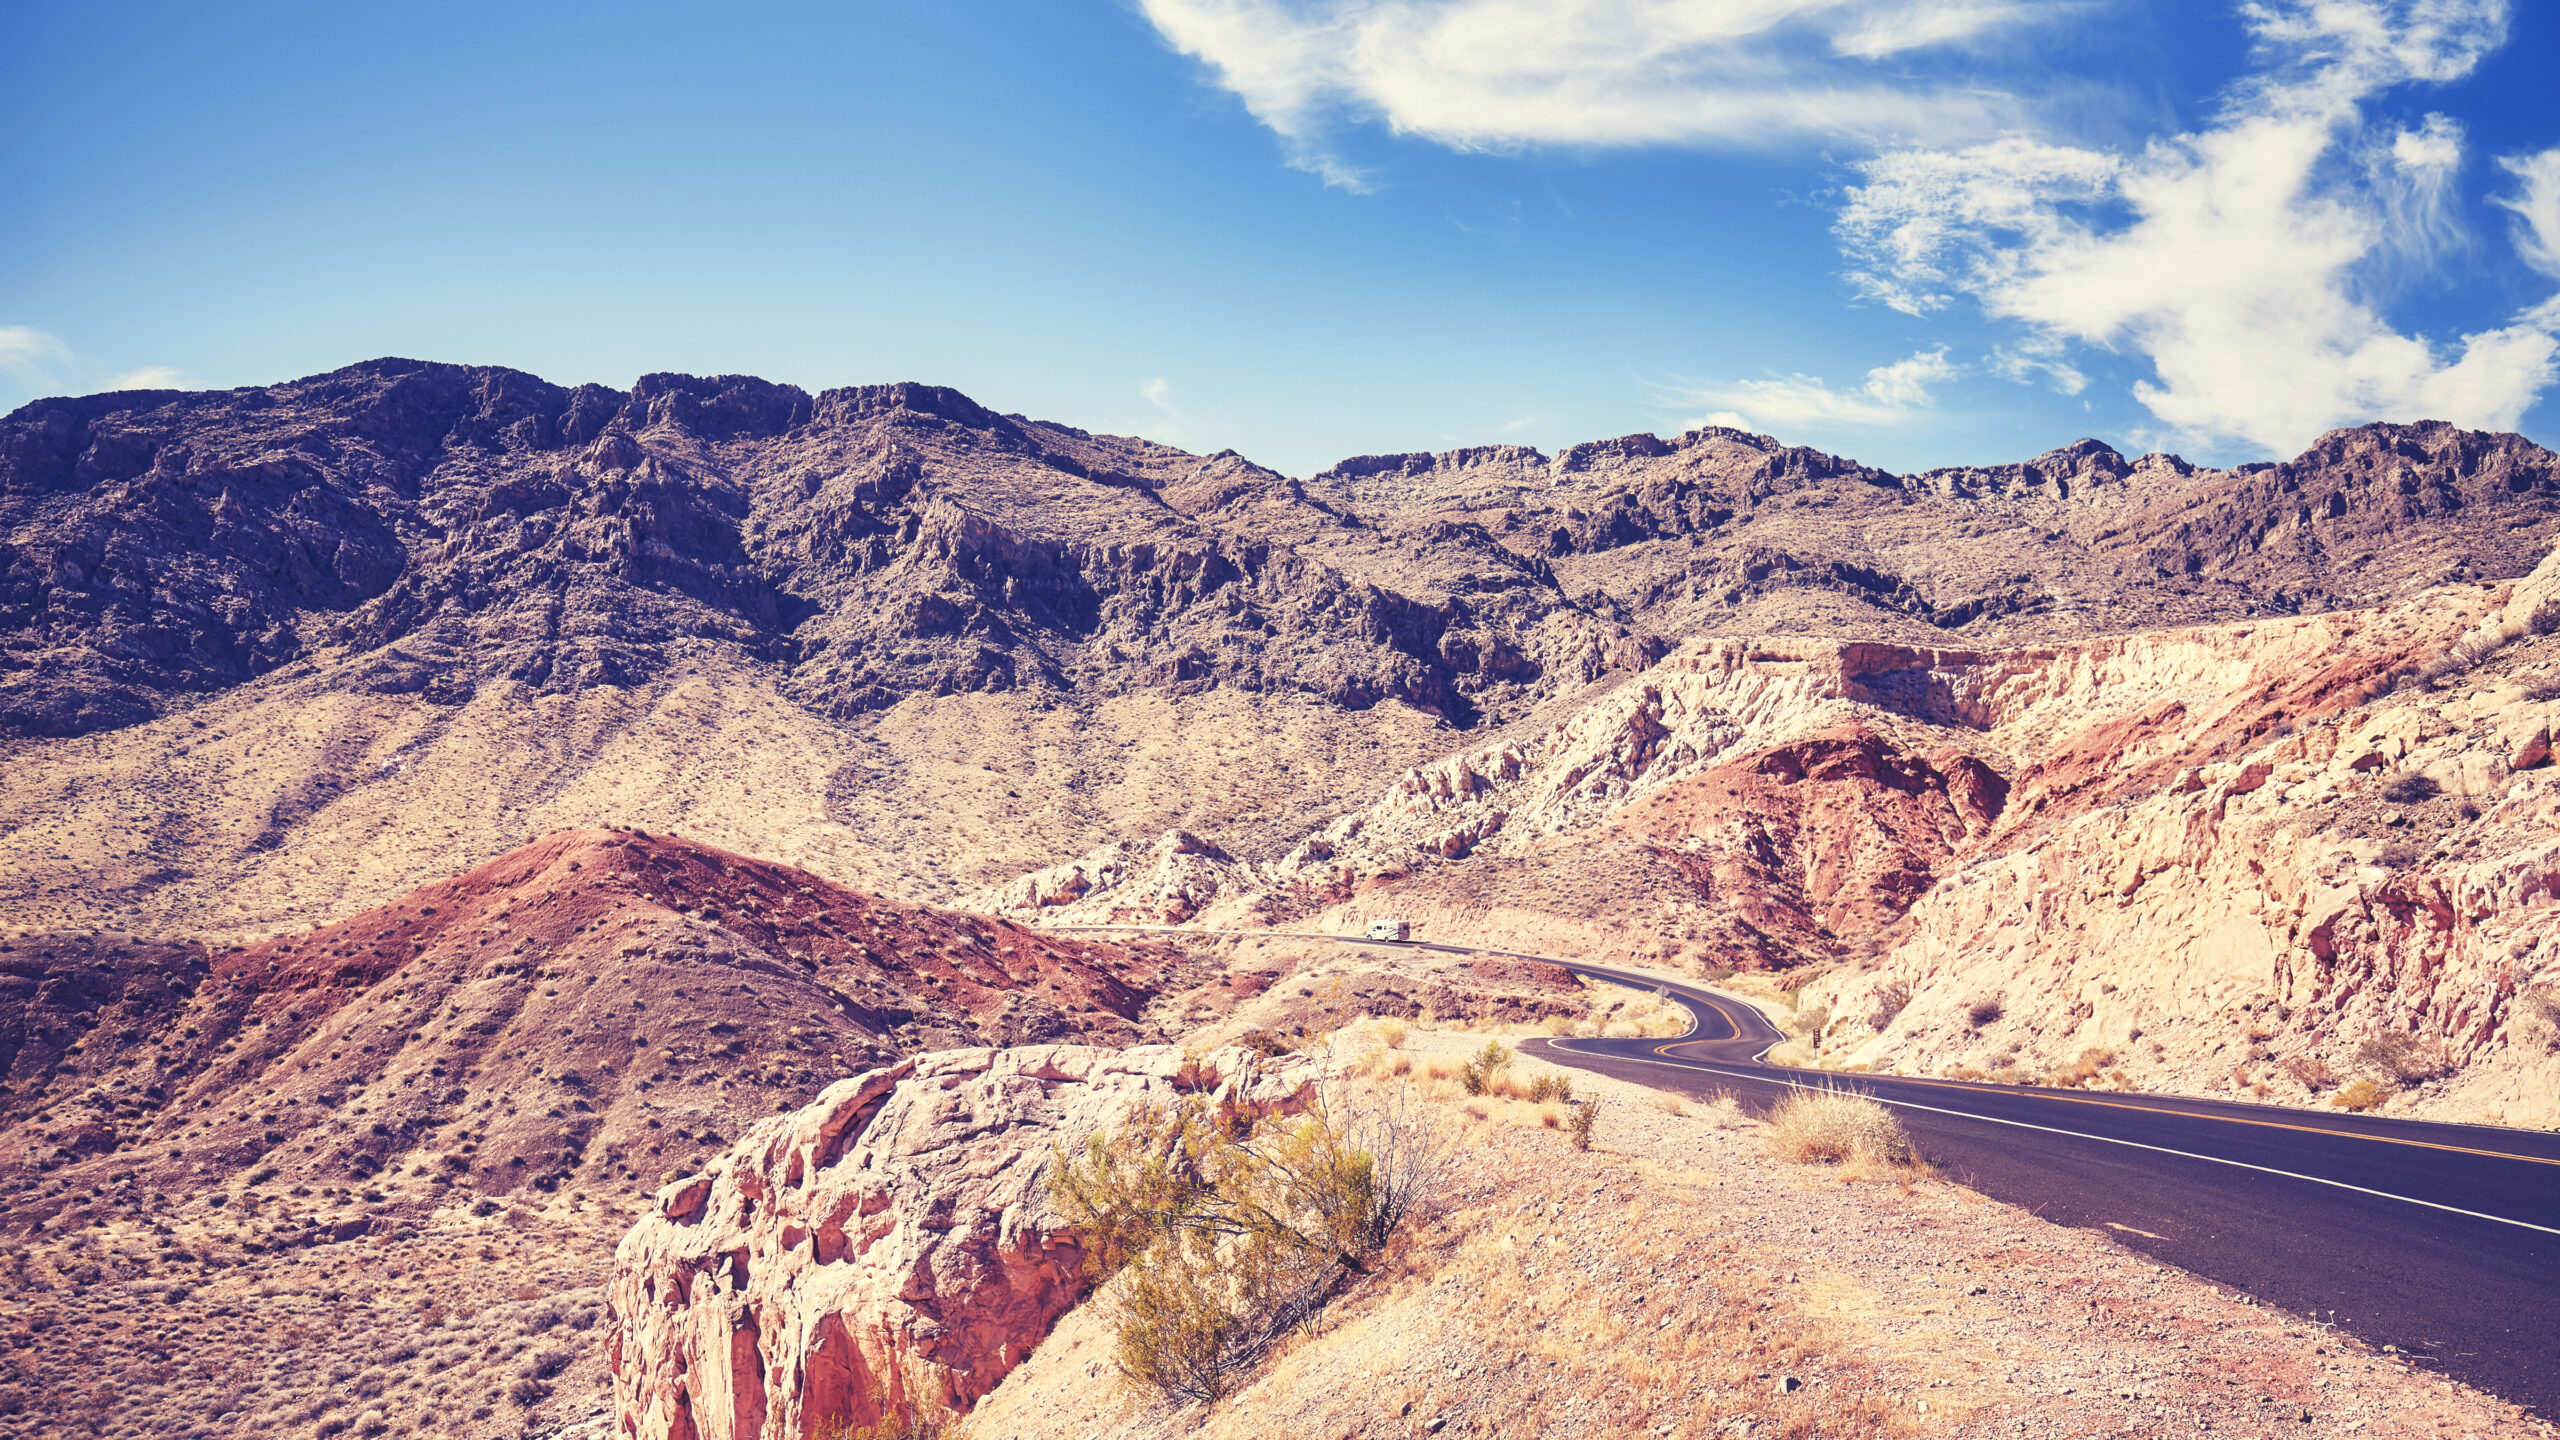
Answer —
1664 1050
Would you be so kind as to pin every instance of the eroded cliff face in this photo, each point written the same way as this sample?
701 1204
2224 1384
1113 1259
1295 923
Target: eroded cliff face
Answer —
889 1247
2362 891
2265 858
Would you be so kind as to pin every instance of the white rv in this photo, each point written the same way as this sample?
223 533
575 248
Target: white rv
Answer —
1390 930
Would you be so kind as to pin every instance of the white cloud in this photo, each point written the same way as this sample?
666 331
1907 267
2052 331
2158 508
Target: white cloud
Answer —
1158 392
149 377
27 350
1890 393
2234 258
43 362
2537 208
1479 74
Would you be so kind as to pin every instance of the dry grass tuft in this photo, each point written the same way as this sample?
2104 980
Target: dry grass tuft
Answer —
1838 1127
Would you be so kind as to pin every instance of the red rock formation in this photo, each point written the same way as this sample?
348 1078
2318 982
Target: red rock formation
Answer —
889 1246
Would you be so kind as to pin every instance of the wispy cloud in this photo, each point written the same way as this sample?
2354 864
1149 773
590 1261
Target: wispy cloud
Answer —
27 351
1889 395
2235 258
149 377
2537 208
41 362
1489 74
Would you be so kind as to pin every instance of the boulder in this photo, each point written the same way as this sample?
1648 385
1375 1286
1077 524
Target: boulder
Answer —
889 1246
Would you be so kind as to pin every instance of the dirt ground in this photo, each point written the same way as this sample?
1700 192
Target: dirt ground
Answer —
1673 1280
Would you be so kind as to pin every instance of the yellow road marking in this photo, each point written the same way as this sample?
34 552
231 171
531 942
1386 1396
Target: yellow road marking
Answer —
1711 1002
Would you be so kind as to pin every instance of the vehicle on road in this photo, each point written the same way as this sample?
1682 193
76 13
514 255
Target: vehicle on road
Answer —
1390 930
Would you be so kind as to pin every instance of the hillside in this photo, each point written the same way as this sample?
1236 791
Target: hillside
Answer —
272 655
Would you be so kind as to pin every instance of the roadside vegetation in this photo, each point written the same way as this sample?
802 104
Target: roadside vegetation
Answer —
1223 1227
1824 1126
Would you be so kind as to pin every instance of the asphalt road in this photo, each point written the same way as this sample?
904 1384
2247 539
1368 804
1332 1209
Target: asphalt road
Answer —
2442 1240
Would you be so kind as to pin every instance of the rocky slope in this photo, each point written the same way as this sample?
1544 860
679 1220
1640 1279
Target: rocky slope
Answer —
590 1011
2267 858
415 612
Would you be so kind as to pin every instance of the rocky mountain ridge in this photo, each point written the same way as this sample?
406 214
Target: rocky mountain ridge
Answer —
428 528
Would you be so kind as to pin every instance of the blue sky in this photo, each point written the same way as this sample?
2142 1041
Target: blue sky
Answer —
1919 232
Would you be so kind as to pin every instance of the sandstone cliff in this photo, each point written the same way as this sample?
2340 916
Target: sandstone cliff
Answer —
889 1247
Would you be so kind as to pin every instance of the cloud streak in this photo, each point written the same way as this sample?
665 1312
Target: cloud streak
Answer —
1890 395
1494 74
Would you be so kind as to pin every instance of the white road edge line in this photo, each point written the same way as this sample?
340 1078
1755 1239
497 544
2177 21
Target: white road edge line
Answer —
2084 1135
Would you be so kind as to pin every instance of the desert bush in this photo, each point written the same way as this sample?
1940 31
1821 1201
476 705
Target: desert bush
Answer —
1983 1011
2404 1057
1891 999
2359 1095
1391 1033
1833 1127
1554 1085
2084 1069
1226 1239
1265 1043
1586 1118
1478 1074
1724 1112
2411 789
2315 1073
527 1392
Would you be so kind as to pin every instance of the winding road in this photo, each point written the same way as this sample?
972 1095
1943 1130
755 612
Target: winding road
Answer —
2440 1240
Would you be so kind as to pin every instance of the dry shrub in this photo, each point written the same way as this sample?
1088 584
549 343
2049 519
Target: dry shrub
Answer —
1725 1113
1670 1104
1480 1073
2315 1073
893 1424
1586 1116
1391 1033
2360 1095
2404 1057
2080 1072
1983 1011
1837 1127
1227 1235
1890 1001
2411 789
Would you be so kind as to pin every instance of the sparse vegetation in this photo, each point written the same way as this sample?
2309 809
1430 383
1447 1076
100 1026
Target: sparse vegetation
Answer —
2404 1057
2411 789
1984 1010
1838 1127
2315 1073
1586 1118
1481 1072
2360 1095
1226 1232
1891 999
2087 1067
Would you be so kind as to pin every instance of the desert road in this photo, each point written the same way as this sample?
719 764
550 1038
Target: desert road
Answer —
2441 1240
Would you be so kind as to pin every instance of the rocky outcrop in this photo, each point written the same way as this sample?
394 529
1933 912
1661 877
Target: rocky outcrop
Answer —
889 1247
1166 883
